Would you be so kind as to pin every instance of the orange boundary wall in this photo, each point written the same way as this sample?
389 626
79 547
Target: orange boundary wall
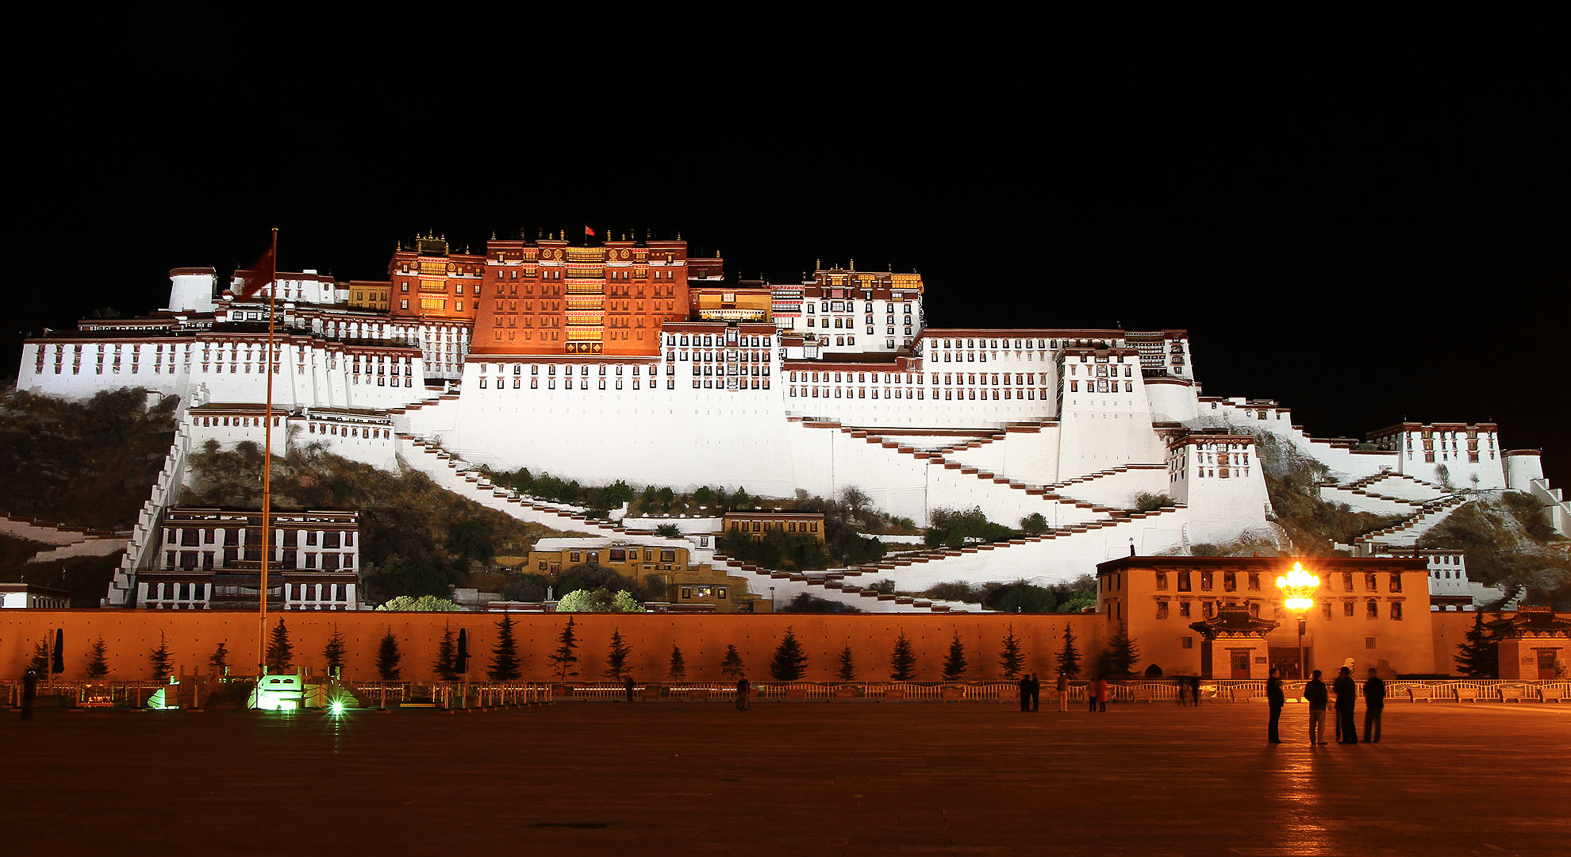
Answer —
129 635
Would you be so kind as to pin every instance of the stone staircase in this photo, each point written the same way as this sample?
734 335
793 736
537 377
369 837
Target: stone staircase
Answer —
1407 533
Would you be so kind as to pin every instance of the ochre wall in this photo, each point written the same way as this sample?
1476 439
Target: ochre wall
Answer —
130 635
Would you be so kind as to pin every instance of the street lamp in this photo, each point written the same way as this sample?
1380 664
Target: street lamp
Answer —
1298 591
771 599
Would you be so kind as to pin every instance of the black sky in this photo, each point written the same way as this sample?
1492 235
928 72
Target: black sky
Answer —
1365 232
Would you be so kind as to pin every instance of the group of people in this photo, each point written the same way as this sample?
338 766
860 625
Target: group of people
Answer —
1316 694
1031 693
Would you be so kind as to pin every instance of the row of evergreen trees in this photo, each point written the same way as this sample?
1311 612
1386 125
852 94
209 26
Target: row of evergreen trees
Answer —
788 664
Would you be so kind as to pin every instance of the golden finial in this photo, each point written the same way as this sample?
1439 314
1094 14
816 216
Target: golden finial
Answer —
679 235
818 264
853 264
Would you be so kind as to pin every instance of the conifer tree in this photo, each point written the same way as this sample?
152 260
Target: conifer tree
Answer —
902 662
955 663
504 655
220 658
446 664
616 661
678 668
790 661
847 665
333 653
280 652
1122 654
1009 657
97 663
388 658
731 665
1478 655
1069 656
565 655
40 659
160 659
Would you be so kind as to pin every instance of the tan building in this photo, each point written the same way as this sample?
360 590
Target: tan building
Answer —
370 294
687 584
1374 611
758 524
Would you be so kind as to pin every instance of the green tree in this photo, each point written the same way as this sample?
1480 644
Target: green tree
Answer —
280 652
504 655
955 662
446 664
1069 656
703 496
731 665
598 601
566 654
647 501
670 531
1121 656
97 661
1478 655
388 657
902 662
334 653
1009 657
1025 598
160 659
420 604
1033 524
790 661
678 668
220 659
616 661
847 665
39 663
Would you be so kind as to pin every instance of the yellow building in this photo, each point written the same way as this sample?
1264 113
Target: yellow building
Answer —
1224 616
757 524
687 585
369 294
729 304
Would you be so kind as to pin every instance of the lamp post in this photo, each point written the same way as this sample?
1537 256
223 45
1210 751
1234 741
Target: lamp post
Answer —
771 600
1298 592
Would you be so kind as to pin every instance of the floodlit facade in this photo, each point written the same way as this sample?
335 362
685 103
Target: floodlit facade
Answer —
635 360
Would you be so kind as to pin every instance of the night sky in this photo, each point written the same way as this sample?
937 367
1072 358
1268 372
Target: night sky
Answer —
1364 233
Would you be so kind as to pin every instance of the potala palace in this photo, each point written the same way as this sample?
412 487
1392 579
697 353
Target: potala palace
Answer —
630 360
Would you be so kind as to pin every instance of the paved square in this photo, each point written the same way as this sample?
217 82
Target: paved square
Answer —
800 779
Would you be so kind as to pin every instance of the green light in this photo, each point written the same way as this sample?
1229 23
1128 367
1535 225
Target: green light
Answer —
337 709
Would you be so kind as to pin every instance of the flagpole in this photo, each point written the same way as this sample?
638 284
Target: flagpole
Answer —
267 468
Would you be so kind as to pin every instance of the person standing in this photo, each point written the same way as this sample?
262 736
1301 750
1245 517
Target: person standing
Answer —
1036 693
1063 691
1194 689
742 690
1374 705
627 683
1025 693
1276 699
1315 694
1101 694
1346 696
29 691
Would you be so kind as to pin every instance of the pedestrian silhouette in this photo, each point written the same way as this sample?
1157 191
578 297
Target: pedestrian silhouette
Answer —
742 689
1276 699
1346 696
1374 705
1025 693
1036 692
1315 693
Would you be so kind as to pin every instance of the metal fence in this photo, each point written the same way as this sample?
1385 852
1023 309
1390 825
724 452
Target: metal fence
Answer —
475 695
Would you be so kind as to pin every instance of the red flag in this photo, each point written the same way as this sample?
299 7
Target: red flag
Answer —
589 232
257 277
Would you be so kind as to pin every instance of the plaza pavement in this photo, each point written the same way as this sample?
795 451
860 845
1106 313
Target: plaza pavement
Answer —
785 778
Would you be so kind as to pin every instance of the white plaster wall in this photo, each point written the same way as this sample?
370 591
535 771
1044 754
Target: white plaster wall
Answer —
1360 502
192 292
1172 402
1119 489
1404 487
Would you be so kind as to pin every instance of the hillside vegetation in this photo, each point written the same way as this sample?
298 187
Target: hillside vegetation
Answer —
82 463
417 538
1507 542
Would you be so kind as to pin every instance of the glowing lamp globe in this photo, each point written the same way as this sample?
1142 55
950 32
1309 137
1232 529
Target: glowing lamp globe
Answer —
1298 587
